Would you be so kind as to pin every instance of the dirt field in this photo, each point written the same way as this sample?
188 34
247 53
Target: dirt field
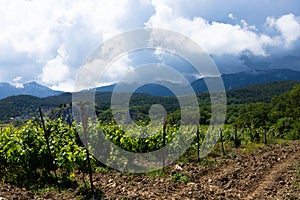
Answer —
271 173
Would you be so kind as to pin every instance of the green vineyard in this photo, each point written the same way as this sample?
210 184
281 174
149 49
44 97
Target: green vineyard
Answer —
36 154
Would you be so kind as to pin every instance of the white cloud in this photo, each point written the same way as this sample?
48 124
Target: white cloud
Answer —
55 71
288 26
231 16
32 33
246 26
216 37
16 82
117 70
66 85
17 79
48 40
99 72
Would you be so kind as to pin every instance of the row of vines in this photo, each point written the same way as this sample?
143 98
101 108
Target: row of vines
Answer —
34 153
26 160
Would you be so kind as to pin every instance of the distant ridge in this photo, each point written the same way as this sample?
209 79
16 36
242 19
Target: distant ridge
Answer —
247 78
31 88
25 106
231 81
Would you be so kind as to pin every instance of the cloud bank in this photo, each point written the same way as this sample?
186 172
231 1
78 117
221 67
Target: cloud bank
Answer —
47 41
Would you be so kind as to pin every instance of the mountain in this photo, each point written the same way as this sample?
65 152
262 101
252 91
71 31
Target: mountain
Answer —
25 106
152 88
231 81
21 106
32 88
247 78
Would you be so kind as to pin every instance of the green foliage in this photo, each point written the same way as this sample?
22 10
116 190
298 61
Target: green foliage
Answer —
181 177
23 107
253 120
25 157
157 173
234 136
282 126
253 115
285 114
260 92
280 118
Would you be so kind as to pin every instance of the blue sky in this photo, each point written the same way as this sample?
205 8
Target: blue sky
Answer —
47 41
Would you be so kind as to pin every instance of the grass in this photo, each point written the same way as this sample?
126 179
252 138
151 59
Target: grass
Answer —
253 148
295 185
157 173
102 170
278 141
209 162
298 171
181 177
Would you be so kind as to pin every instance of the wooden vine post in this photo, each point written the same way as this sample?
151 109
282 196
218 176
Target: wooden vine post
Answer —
198 143
222 142
84 125
53 166
164 140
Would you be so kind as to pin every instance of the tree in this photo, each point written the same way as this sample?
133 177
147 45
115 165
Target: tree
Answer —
285 114
253 116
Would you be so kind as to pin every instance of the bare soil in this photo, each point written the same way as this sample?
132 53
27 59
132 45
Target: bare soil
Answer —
270 173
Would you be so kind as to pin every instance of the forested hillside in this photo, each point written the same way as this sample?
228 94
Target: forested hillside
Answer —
25 106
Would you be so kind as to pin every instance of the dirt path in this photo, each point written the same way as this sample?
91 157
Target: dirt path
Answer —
274 178
267 174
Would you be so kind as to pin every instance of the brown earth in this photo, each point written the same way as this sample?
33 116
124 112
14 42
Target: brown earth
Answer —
270 173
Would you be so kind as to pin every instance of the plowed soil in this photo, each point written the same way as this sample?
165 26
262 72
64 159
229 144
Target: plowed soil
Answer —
270 173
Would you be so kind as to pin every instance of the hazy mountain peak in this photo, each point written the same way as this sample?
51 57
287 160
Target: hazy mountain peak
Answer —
30 88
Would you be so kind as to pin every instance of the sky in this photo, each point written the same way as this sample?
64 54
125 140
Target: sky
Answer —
48 41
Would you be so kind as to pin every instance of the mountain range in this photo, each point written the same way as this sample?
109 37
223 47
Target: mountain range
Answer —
26 106
32 88
231 81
